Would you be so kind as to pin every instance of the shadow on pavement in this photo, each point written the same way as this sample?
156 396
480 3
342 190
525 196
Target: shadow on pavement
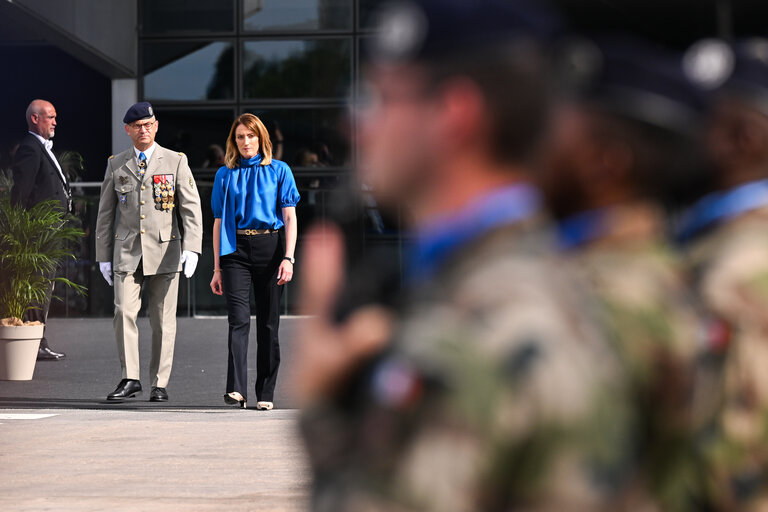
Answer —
76 403
91 369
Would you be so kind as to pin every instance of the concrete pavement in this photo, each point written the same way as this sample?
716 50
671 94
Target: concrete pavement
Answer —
169 460
64 448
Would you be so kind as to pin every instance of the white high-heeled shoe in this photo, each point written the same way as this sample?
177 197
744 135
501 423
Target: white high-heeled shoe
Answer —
265 406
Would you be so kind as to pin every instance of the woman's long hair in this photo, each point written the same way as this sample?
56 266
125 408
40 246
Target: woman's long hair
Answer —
253 123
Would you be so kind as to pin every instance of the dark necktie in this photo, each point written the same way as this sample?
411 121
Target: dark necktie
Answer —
142 164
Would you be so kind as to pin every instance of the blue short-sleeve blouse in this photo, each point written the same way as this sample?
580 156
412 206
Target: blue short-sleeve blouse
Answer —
250 197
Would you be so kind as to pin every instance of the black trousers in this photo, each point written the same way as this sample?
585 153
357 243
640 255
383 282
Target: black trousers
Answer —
255 264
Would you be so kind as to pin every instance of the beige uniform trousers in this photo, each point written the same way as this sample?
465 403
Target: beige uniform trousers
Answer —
163 296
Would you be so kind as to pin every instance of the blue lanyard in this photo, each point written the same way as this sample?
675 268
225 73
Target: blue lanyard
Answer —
722 206
436 242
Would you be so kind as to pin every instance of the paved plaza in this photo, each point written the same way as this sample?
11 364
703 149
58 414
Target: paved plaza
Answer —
64 448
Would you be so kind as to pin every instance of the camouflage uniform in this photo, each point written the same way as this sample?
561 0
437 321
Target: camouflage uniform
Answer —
730 266
497 394
644 302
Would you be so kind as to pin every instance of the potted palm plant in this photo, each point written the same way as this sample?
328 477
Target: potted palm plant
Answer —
32 245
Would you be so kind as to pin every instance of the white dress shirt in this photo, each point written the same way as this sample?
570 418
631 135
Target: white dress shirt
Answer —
48 145
147 153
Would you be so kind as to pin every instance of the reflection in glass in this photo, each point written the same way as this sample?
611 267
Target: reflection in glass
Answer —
306 68
307 137
187 16
194 132
188 70
294 15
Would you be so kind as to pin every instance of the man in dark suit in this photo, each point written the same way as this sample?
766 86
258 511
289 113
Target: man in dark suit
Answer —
37 177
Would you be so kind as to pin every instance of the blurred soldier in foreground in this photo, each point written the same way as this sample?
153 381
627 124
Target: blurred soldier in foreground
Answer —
615 142
496 392
727 241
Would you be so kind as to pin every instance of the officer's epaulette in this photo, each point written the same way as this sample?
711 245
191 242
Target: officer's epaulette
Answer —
111 157
180 153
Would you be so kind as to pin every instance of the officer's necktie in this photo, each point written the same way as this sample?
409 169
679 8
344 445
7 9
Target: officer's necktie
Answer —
142 164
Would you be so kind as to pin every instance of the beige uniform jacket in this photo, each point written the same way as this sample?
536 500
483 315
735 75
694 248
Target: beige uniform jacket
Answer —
133 225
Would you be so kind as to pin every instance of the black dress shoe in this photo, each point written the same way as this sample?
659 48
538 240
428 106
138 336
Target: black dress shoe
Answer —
127 388
46 354
158 395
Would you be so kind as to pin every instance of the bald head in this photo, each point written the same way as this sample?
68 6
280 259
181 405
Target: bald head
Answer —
41 118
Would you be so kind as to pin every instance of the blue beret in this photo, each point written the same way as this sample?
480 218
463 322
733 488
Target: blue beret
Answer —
636 80
142 110
425 30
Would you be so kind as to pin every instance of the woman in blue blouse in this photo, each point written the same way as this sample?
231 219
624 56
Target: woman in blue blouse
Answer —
254 199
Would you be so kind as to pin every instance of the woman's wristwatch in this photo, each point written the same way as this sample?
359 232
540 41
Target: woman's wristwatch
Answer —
291 259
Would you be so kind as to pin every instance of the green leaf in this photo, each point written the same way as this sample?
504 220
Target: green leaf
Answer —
33 244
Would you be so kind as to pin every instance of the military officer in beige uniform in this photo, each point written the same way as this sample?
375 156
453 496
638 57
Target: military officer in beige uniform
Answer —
149 227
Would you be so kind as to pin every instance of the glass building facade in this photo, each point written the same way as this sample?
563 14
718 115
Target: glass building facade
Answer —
293 63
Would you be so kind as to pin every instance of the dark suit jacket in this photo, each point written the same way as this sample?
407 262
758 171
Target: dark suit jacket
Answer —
35 176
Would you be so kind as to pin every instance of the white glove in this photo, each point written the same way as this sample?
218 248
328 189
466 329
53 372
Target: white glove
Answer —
189 260
106 271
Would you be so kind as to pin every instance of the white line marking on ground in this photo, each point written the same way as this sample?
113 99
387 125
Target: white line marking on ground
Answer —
22 416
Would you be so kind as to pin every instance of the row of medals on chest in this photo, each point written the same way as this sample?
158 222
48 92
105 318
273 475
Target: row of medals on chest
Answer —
164 194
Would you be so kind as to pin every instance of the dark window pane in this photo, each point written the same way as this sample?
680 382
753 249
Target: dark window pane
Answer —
306 68
317 194
362 63
312 137
187 16
194 131
293 15
189 70
367 11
